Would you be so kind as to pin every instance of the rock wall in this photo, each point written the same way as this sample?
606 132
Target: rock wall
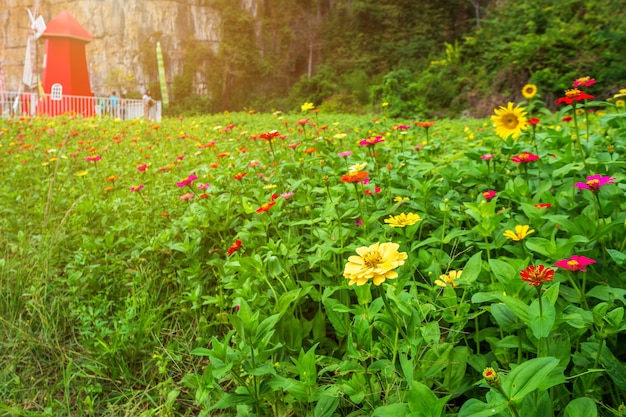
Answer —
120 29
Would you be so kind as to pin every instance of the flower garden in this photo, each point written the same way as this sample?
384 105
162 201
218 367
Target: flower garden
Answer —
309 264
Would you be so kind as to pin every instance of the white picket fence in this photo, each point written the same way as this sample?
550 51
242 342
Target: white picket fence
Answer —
14 104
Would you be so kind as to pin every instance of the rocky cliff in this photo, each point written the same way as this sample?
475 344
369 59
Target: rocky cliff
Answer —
124 35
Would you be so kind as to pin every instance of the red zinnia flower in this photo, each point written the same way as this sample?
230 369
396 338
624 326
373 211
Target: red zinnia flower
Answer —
543 205
524 157
187 181
239 176
142 168
269 135
354 176
534 121
537 275
234 247
266 207
575 263
426 125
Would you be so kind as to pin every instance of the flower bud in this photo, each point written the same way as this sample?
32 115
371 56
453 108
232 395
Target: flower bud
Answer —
492 377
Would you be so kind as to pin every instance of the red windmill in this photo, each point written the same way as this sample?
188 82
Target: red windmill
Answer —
65 72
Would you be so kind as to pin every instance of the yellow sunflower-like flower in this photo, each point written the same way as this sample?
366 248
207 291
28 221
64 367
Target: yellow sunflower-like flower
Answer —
529 91
620 103
307 106
448 279
403 219
509 121
376 262
521 231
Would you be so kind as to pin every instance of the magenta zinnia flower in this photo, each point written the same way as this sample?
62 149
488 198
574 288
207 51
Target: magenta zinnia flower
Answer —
594 182
371 141
187 181
94 158
489 194
575 263
136 188
524 158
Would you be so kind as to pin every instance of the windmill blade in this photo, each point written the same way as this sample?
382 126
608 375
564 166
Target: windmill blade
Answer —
29 64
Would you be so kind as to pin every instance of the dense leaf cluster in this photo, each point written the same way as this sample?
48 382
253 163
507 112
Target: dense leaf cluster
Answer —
423 58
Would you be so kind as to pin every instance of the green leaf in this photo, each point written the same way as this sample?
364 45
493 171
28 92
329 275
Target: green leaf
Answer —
423 402
541 324
581 407
326 406
472 269
393 410
477 408
529 376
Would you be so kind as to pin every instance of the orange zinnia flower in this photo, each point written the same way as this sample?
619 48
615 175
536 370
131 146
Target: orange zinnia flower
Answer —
354 176
265 207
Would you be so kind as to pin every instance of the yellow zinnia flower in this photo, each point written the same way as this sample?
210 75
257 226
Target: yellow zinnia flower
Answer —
448 279
521 231
529 91
358 167
307 106
403 219
397 199
509 121
376 262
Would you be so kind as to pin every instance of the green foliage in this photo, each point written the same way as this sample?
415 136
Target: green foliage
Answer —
230 298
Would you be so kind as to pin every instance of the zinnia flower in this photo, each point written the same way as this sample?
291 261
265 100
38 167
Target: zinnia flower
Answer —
403 220
345 154
142 168
534 121
358 167
187 196
524 158
269 135
529 91
575 263
584 82
234 247
489 194
371 141
594 182
426 125
492 378
307 106
509 121
240 176
487 157
265 207
136 188
543 205
377 262
537 275
448 279
355 176
521 231
187 181
94 158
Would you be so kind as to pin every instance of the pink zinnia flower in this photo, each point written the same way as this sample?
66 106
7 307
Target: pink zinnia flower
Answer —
489 194
187 181
575 263
187 196
142 168
345 154
204 186
524 158
287 195
371 141
594 182
487 157
94 158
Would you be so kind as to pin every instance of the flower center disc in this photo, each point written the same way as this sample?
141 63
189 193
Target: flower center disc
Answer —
372 259
510 122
